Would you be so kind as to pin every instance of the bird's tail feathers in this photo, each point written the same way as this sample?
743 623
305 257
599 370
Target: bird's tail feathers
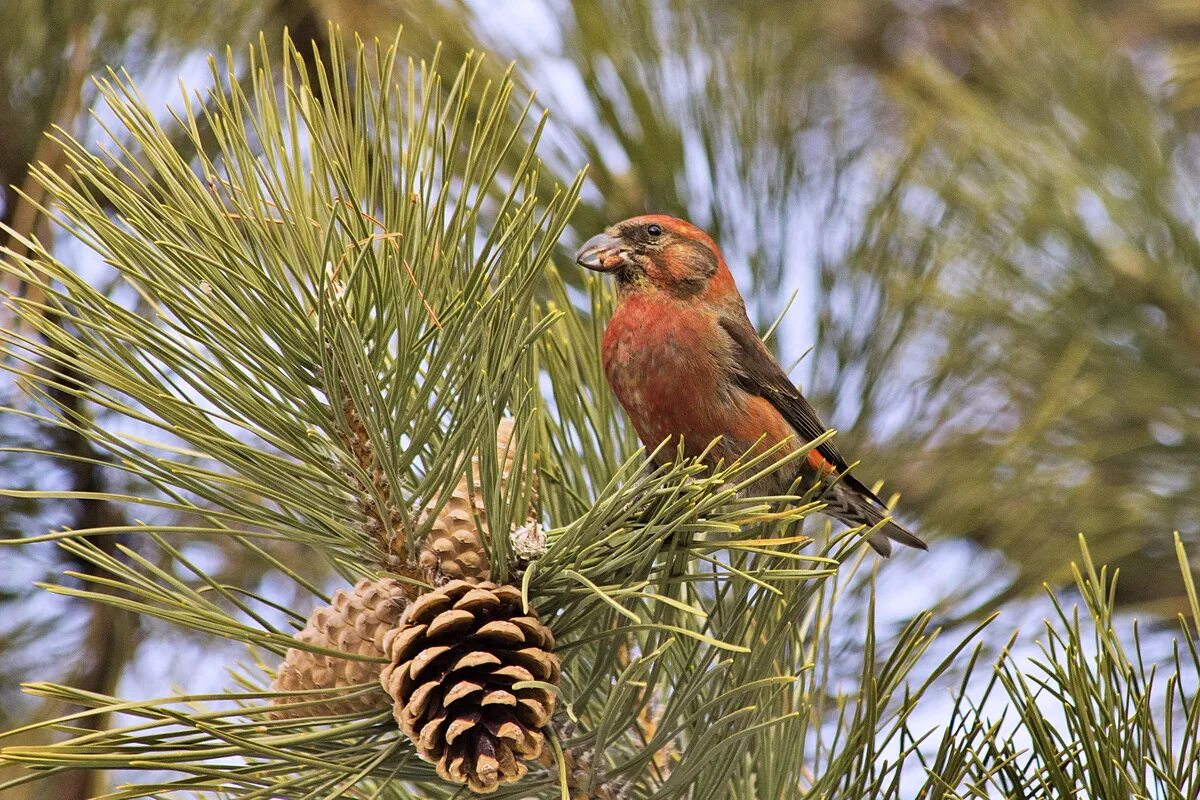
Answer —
851 507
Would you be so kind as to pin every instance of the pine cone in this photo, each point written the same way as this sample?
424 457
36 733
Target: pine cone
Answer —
454 660
454 547
577 761
355 622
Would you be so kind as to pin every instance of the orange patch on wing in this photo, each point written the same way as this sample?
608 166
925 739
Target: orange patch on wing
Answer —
820 463
761 422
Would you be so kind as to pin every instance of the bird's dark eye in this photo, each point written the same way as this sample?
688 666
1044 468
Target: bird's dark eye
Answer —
654 230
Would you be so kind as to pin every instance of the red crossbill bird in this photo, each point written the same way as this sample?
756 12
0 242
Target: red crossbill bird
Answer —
685 363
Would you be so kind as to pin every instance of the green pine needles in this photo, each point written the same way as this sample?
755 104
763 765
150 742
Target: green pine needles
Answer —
370 247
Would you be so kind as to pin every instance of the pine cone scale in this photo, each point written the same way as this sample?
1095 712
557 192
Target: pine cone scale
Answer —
465 722
535 632
514 672
463 689
535 661
477 658
534 713
402 640
498 697
423 664
429 605
476 600
502 629
450 622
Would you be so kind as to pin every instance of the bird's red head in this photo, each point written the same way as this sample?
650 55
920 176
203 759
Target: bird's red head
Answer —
656 252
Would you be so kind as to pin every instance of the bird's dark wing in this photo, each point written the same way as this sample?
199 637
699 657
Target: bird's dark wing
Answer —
758 373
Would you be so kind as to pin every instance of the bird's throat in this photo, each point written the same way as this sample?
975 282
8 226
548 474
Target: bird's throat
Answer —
631 280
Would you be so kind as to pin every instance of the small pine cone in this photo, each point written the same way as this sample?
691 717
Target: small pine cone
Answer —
454 547
577 762
454 660
355 622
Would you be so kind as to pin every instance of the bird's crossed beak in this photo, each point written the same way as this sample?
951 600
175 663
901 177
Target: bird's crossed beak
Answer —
602 253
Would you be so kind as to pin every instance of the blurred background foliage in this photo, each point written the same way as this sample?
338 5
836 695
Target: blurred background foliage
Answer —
980 216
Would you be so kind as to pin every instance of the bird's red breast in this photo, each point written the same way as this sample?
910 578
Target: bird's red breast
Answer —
670 366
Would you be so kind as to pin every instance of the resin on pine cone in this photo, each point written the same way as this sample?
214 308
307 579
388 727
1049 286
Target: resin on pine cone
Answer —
454 662
356 622
454 547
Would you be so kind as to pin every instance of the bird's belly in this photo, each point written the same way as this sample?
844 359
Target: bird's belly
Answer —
671 382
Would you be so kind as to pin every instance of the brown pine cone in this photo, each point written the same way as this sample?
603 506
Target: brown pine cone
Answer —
355 622
454 660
